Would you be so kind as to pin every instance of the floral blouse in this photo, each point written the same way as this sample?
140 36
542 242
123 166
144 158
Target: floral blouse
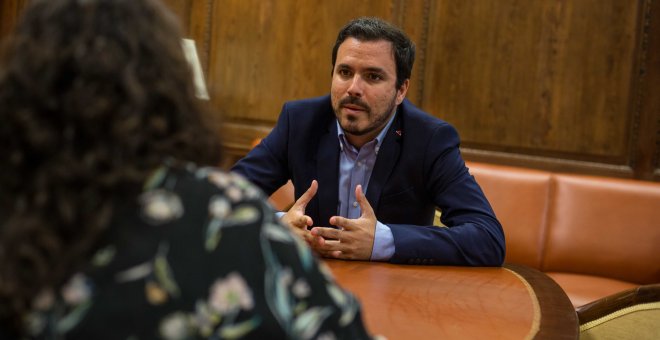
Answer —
200 254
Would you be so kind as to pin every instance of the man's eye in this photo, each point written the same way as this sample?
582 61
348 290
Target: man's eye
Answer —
344 73
375 76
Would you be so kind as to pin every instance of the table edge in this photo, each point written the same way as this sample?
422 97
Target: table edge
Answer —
558 317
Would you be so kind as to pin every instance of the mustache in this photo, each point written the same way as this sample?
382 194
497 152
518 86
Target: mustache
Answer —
355 101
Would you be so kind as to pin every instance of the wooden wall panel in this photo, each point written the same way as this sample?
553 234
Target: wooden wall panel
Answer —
566 85
539 78
9 13
265 52
195 20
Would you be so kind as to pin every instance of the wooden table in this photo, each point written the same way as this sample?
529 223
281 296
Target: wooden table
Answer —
436 302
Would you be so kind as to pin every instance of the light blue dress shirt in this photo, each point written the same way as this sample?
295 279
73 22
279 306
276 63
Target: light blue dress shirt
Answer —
355 167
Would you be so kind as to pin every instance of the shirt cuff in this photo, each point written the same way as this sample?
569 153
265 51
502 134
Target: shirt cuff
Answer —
383 243
279 214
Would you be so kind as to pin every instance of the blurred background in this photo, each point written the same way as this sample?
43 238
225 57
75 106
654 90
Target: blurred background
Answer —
561 85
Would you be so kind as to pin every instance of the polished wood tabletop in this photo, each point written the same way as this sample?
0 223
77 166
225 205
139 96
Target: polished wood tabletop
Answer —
439 302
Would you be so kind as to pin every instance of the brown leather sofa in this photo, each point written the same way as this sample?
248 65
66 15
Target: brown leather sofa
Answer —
595 236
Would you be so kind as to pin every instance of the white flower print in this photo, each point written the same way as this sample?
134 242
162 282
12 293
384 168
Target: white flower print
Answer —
327 336
175 327
252 192
161 206
204 320
239 180
218 178
286 277
77 290
219 207
234 193
301 289
242 215
230 294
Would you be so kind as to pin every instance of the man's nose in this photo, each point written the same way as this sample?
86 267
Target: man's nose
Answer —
355 87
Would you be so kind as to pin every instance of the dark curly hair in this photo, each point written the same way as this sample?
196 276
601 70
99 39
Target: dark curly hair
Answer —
94 95
372 29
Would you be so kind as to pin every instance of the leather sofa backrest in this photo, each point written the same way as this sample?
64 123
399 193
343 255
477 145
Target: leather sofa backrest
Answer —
605 227
519 198
588 225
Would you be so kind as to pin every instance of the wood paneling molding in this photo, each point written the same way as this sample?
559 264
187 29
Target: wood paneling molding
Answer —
647 147
565 85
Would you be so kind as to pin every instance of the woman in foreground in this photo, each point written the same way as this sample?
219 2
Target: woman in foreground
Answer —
113 223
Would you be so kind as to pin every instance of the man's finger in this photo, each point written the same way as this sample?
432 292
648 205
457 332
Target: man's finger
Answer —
341 223
326 233
324 247
307 196
305 221
304 234
367 210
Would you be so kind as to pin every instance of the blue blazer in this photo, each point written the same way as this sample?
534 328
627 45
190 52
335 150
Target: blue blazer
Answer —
419 167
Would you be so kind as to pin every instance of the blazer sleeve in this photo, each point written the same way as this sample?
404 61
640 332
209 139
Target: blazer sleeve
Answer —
473 236
266 165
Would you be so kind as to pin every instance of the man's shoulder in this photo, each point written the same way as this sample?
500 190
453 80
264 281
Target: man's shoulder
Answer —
413 115
322 103
311 113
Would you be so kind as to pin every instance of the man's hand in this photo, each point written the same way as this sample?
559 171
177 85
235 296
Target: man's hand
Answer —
354 238
296 219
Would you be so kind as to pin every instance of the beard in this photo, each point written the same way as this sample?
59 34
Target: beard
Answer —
376 121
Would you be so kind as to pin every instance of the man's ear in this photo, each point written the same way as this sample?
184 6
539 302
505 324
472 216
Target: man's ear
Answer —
401 91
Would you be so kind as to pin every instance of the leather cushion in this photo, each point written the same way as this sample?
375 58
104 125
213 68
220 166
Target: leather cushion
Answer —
604 227
583 289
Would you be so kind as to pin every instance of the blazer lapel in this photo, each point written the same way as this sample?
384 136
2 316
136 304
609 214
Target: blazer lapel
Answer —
388 156
327 167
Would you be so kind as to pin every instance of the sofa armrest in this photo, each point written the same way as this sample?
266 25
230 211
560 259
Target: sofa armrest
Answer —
631 314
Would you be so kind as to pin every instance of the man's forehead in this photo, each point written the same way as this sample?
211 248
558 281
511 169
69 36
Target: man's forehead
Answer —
378 51
381 44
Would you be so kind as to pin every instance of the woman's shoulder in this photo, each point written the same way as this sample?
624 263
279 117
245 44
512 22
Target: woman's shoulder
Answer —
198 194
190 181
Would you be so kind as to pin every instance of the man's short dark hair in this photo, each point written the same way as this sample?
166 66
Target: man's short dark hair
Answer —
372 29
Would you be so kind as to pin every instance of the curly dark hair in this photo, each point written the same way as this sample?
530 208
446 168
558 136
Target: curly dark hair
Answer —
94 95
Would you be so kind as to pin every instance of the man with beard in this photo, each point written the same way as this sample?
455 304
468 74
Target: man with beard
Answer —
370 169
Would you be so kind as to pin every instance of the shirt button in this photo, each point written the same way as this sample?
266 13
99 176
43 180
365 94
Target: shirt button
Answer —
355 204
